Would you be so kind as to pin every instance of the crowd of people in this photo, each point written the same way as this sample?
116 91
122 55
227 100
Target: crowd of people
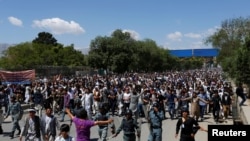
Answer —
93 100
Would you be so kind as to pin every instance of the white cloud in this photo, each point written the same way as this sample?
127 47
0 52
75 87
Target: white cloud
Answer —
197 45
15 21
59 26
192 35
211 31
176 36
135 35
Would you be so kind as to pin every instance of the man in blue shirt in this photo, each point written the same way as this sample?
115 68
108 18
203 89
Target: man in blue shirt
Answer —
155 119
203 105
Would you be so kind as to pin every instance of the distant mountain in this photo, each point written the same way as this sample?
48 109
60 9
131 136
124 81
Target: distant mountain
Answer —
3 47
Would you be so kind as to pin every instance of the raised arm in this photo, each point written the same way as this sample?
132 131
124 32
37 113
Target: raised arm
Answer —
103 122
69 113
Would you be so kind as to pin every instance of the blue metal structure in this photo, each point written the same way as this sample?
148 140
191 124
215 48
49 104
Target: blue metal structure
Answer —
195 53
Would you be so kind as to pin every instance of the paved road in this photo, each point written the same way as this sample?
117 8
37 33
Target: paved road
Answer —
168 129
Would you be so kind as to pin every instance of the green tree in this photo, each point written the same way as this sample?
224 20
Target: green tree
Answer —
121 53
40 53
230 35
45 38
242 70
112 53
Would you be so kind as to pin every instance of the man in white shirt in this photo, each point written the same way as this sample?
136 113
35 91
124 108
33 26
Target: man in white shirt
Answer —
87 102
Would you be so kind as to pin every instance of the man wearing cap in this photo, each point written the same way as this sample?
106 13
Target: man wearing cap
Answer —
14 109
155 119
128 125
32 127
103 115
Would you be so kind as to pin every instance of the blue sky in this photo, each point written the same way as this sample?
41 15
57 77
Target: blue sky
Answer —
172 24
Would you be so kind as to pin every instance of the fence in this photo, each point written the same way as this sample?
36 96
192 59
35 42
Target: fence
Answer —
49 71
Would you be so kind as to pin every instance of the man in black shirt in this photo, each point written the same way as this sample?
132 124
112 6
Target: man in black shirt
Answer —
240 93
189 127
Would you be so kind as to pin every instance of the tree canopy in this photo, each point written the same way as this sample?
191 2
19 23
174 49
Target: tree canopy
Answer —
43 51
121 53
117 53
233 41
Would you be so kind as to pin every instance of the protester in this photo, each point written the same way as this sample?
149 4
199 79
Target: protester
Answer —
66 100
240 93
83 124
189 127
195 108
216 102
32 127
14 110
103 115
87 102
49 125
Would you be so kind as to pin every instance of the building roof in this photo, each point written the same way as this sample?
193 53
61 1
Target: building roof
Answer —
195 52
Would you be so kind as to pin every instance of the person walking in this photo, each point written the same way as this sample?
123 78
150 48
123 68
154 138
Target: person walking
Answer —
66 100
103 115
216 102
38 100
49 125
97 99
112 96
32 127
83 124
189 127
195 108
226 102
14 109
87 102
240 93
146 102
156 116
133 106
171 100
203 104
126 98
128 125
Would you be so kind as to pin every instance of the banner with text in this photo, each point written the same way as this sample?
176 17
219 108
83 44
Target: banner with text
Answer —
17 77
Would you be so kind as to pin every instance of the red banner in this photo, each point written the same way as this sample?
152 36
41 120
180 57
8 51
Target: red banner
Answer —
17 76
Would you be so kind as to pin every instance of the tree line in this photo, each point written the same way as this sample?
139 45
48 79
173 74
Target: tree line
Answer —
233 41
117 53
121 53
